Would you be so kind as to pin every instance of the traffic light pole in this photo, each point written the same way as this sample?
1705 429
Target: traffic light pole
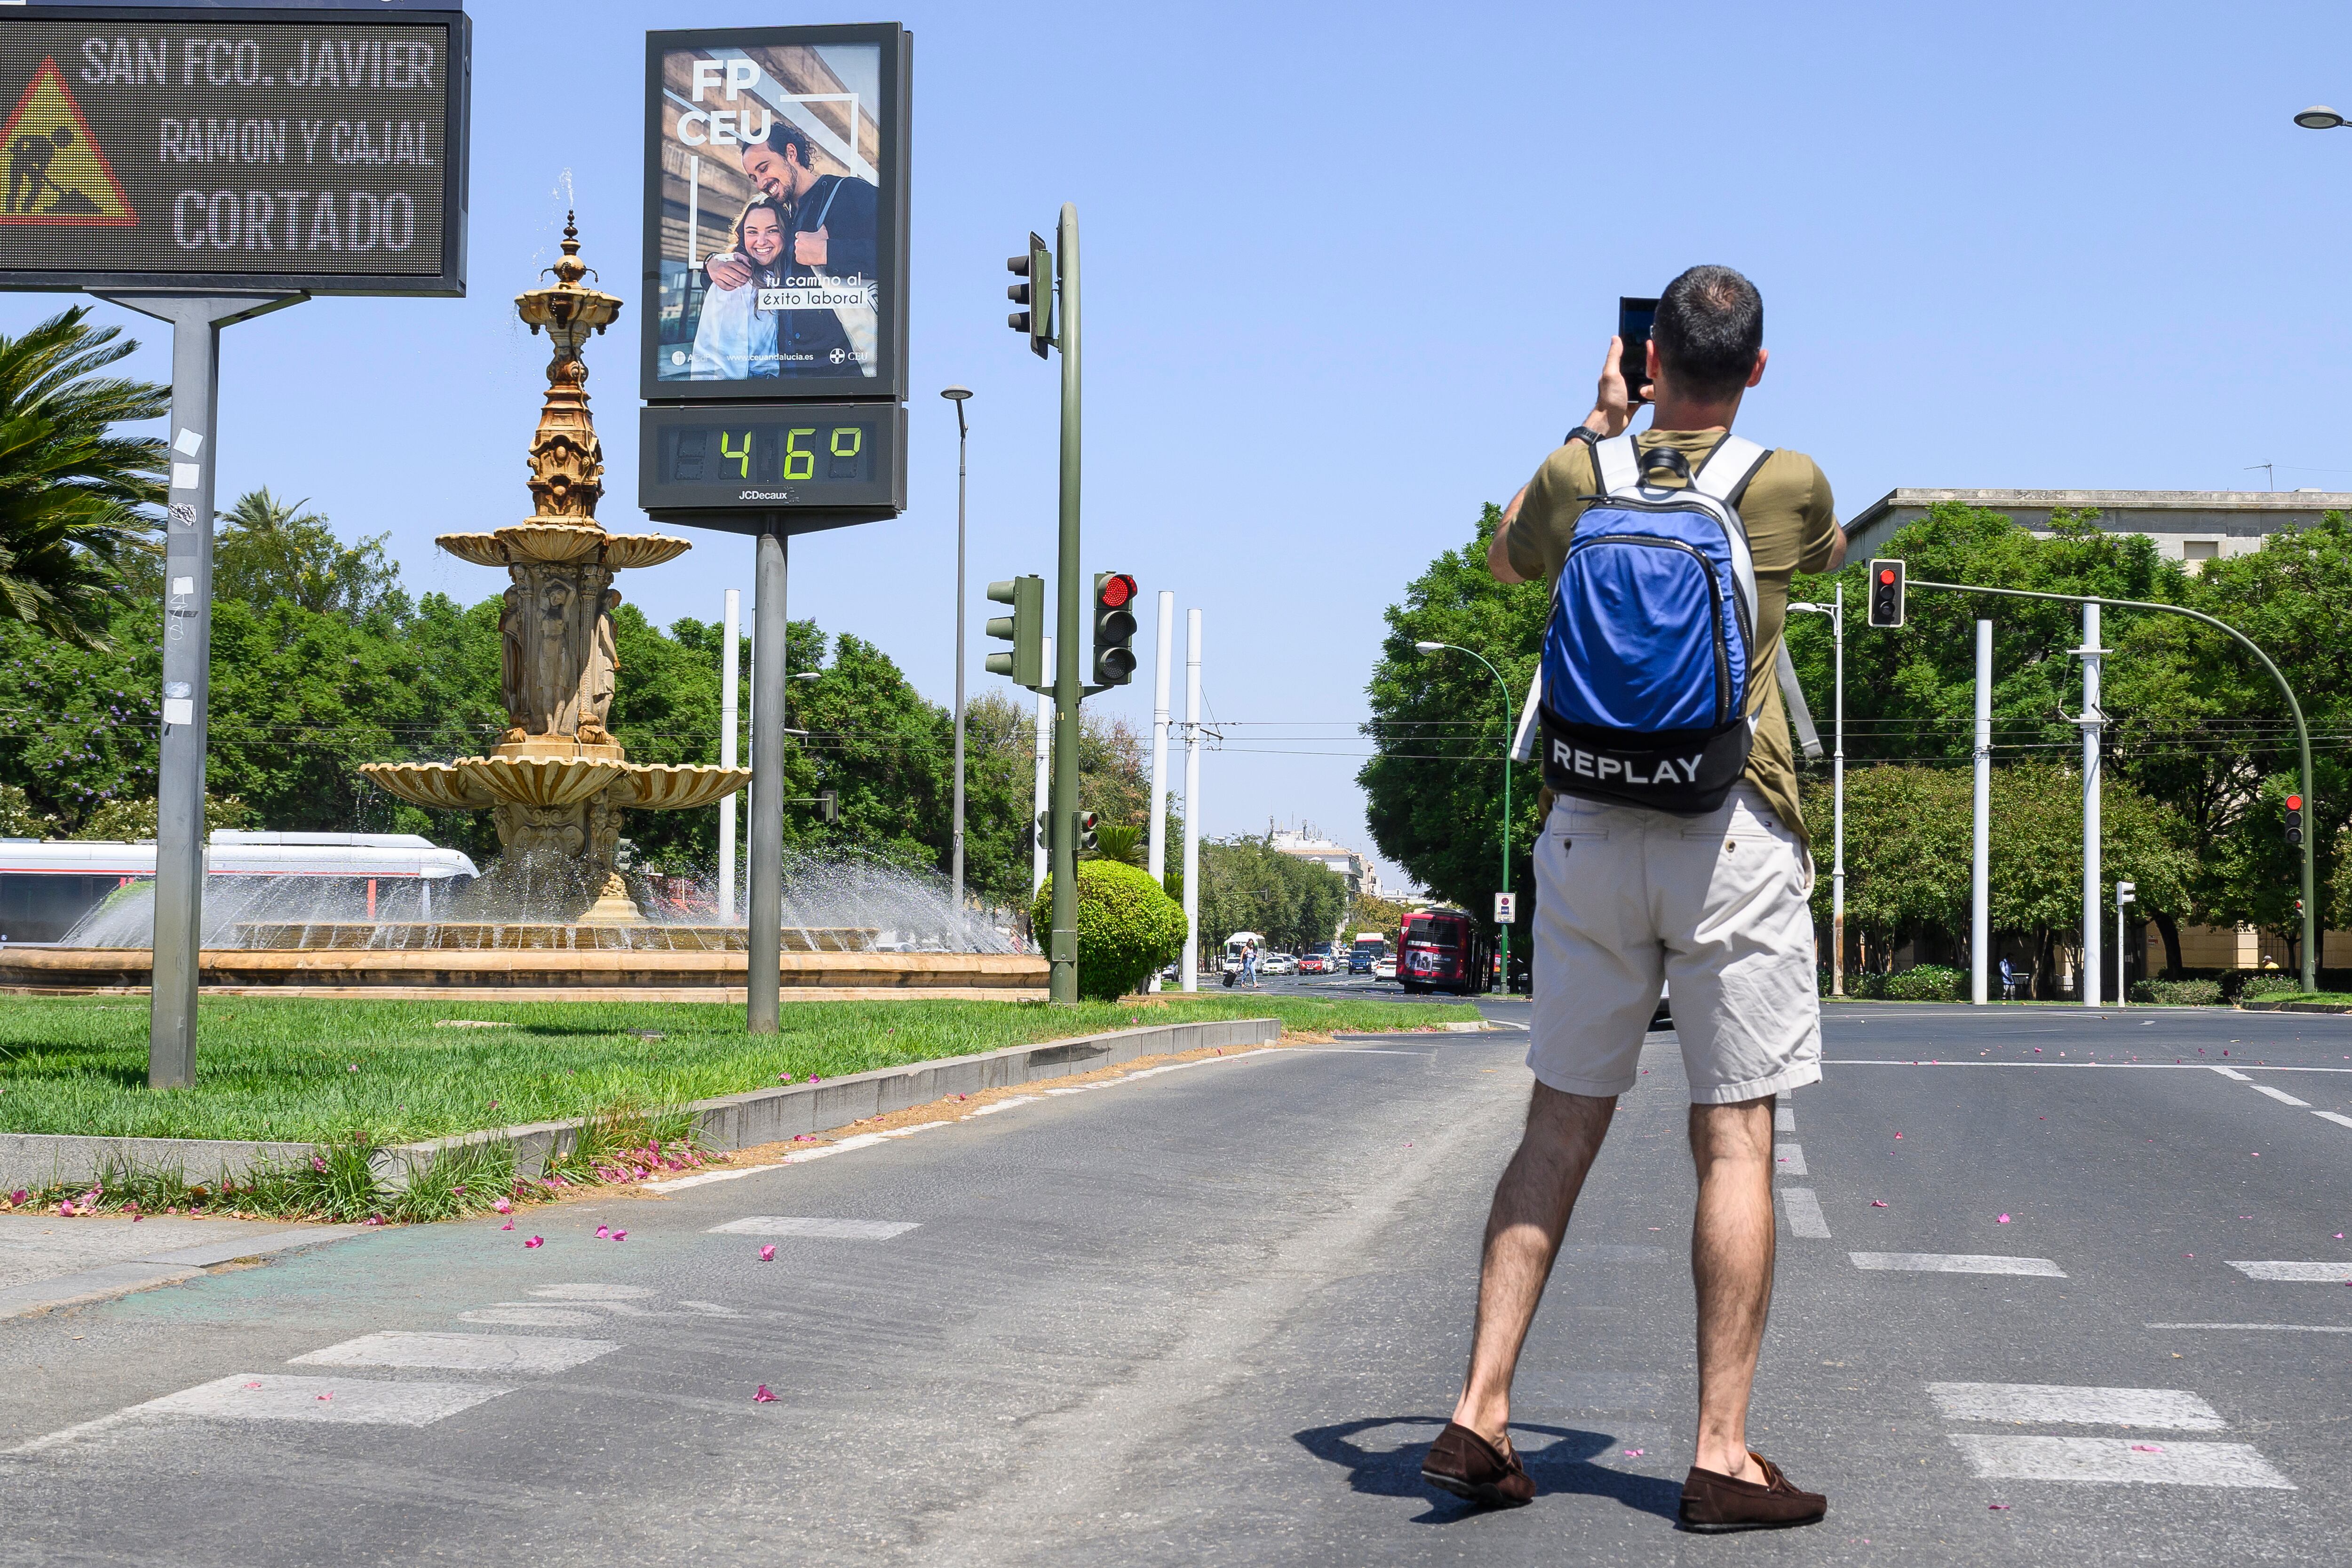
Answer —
2302 730
1062 948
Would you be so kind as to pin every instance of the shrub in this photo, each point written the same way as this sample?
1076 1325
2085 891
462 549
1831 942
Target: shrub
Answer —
1924 983
1127 928
2177 993
2263 987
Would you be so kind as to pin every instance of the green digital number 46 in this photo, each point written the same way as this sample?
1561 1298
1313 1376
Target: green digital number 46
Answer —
742 458
800 463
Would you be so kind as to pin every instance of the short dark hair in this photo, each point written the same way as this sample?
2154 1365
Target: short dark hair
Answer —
1709 326
788 142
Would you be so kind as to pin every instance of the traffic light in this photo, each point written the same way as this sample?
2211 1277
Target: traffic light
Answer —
1887 593
1037 294
1045 830
1115 594
1024 629
1087 820
2294 819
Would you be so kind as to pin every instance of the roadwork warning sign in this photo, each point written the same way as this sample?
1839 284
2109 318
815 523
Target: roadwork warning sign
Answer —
58 173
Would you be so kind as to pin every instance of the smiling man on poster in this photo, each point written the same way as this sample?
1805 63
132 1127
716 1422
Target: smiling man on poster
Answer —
825 306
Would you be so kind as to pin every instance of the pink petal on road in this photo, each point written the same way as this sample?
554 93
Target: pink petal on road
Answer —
1899 1138
1996 1507
1878 1203
766 1254
536 1241
602 1231
763 1396
2004 1219
503 1206
620 1236
253 1385
1635 1453
328 1394
2147 1448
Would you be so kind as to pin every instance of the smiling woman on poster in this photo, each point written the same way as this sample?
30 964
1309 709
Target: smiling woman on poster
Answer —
828 319
734 340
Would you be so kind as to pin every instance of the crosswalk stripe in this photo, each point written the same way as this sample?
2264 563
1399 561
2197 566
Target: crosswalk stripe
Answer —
2338 1117
2307 1273
1957 1263
2118 1459
461 1352
830 1229
1805 1217
1789 1159
2281 1096
277 1396
1784 1118
2173 1409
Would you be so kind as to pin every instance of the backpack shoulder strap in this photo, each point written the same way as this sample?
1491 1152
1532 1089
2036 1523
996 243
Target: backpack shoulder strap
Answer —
1620 468
1725 472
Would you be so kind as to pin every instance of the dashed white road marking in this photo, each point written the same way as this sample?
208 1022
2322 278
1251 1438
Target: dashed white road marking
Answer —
2229 1073
1789 1159
2265 1328
2281 1096
1784 1118
2336 1116
2174 1409
2307 1273
830 1229
461 1352
278 1396
589 1293
1805 1217
1957 1263
524 1315
2118 1459
989 1110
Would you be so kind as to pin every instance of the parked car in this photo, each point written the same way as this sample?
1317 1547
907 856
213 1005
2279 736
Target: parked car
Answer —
1384 969
1315 964
1279 964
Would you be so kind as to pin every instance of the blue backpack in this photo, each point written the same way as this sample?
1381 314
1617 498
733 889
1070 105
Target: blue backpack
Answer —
1648 661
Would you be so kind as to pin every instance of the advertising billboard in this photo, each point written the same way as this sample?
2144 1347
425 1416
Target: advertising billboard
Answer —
313 148
775 213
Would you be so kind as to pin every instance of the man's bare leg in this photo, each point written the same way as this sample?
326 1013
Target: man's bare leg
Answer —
1532 1203
1731 1263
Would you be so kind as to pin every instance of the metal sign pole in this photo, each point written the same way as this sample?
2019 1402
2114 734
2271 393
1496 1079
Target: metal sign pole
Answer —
1069 686
765 922
187 648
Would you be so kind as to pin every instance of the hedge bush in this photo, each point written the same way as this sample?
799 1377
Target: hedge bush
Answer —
2177 993
1127 928
1924 983
2261 987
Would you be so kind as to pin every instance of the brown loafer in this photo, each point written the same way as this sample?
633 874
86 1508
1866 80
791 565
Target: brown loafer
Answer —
1466 1464
1714 1502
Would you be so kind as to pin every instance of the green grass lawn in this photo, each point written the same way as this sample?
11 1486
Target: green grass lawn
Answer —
308 1069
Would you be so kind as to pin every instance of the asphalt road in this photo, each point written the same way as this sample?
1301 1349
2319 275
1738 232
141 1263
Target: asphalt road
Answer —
1213 1316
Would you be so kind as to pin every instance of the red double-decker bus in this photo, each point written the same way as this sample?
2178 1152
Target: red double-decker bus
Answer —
1444 950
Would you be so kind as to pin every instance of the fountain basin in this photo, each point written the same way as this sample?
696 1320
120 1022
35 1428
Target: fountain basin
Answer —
459 935
532 976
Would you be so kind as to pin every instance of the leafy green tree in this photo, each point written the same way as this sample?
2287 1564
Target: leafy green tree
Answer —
133 821
1440 723
1247 884
1127 928
76 500
271 548
18 818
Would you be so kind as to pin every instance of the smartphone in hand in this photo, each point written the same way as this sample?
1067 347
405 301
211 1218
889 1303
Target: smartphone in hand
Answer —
1634 318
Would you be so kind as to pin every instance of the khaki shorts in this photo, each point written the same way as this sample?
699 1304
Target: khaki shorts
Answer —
1714 907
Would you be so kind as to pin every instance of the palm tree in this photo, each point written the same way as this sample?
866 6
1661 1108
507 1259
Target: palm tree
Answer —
74 496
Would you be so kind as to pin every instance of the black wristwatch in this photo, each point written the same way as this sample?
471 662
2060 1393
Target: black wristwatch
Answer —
1584 433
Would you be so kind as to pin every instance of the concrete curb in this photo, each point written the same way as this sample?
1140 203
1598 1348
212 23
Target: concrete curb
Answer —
724 1123
2293 1007
164 1267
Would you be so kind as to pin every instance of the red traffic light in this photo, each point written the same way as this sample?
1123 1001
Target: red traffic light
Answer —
1117 590
1885 576
2295 803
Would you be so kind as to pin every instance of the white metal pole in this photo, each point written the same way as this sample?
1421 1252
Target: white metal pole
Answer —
1981 841
1044 781
1191 799
1837 806
2091 912
730 642
2122 980
1155 816
956 849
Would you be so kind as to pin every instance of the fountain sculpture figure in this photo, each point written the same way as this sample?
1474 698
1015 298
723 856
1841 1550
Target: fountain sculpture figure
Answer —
559 780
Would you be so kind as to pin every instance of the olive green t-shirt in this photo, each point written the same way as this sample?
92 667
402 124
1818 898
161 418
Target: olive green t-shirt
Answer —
1791 527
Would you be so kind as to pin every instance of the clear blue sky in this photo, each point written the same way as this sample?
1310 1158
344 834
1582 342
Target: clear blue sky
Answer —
1349 270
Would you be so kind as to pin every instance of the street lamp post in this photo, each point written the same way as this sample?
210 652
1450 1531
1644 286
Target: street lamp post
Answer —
959 395
1835 610
2124 891
1506 686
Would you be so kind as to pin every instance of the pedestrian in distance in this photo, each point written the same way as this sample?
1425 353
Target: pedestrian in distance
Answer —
2008 982
1673 853
1249 965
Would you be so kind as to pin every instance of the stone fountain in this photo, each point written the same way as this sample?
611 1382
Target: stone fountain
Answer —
559 780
